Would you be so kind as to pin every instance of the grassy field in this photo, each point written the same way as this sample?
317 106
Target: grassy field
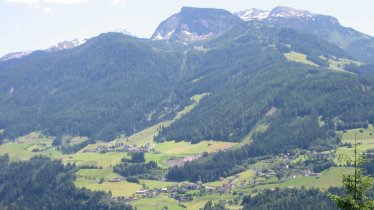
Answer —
241 177
146 136
199 202
186 148
155 184
158 158
25 147
365 138
338 64
328 178
298 57
97 174
261 126
96 159
157 203
73 140
122 188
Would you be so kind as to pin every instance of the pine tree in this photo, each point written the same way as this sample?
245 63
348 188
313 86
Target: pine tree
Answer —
356 186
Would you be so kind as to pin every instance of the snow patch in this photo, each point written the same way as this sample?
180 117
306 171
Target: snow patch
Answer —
166 36
253 14
124 31
278 12
67 45
15 55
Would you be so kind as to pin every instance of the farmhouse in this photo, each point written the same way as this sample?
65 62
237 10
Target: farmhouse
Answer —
117 179
142 192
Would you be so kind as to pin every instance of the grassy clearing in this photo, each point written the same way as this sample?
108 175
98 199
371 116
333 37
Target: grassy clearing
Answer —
241 177
330 177
97 174
69 140
157 203
338 64
96 159
146 136
199 202
155 184
99 143
298 57
122 188
365 137
186 148
158 158
261 126
28 146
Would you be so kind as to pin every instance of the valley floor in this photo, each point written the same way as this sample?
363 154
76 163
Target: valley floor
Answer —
264 175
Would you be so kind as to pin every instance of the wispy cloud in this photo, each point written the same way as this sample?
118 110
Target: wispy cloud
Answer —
119 2
33 3
24 1
38 2
47 10
66 1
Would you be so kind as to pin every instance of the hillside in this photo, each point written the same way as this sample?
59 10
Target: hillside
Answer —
115 84
101 89
256 108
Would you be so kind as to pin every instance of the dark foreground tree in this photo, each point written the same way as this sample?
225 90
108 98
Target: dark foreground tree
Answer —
217 206
42 183
356 187
286 199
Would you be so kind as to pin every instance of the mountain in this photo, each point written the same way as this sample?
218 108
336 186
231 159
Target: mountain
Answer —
124 32
195 24
66 45
117 84
252 14
57 47
111 80
15 55
61 46
358 45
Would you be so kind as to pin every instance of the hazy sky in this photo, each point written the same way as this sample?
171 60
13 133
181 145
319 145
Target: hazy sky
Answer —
38 24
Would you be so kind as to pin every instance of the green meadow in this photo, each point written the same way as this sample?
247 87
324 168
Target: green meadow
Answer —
365 140
298 57
108 159
122 188
331 177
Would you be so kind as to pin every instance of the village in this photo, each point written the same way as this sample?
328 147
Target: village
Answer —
121 147
185 191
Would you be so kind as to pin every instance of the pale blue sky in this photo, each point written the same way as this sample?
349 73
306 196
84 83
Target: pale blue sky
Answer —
38 24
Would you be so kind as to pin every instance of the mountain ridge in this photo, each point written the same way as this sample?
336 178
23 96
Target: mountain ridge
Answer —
64 45
209 23
112 84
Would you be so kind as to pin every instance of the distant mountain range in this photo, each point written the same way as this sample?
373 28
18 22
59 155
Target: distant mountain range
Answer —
306 67
59 46
196 24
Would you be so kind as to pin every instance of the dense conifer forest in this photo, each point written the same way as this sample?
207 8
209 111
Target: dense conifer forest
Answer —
42 183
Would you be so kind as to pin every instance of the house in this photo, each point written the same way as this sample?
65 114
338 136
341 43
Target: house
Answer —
183 199
116 179
142 192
